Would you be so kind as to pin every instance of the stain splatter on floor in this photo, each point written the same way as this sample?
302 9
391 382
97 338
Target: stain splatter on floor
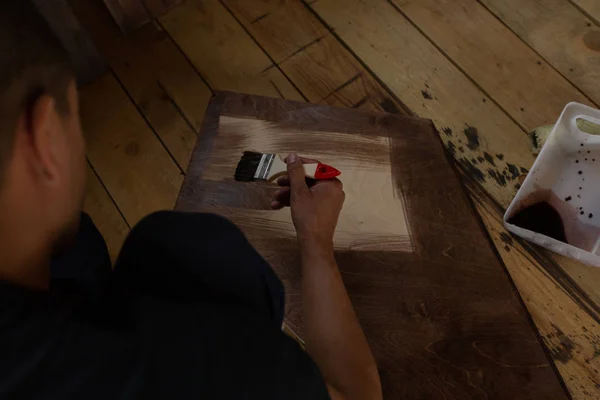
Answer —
426 95
514 170
471 170
500 156
472 136
488 157
499 178
447 131
563 350
451 148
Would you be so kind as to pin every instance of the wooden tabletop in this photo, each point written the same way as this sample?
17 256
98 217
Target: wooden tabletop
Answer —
443 317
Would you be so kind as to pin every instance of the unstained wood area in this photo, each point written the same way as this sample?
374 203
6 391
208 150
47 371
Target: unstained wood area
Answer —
486 72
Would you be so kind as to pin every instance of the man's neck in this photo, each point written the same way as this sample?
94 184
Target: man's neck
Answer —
24 255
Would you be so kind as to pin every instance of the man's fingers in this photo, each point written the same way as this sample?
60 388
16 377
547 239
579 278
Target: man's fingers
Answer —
283 180
305 160
296 175
275 205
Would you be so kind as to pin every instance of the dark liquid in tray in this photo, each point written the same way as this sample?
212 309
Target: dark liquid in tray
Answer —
541 218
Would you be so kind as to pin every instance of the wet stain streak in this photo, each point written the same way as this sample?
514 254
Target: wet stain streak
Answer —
451 148
506 239
563 350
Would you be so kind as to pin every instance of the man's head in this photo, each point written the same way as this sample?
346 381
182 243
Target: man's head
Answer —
42 152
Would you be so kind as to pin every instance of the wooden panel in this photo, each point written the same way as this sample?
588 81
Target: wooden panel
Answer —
509 71
375 222
85 58
376 35
458 329
163 84
571 335
134 166
318 65
476 131
105 215
222 51
560 33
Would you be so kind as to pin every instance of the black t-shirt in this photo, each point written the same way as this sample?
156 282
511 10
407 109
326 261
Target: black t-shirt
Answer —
191 311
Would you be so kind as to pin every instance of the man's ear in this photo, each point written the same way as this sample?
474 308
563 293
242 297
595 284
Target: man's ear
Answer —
44 130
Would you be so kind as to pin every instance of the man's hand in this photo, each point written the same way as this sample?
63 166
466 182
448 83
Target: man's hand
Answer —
315 208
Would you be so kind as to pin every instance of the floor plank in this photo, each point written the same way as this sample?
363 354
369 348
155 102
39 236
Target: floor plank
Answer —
590 7
222 52
105 214
572 336
86 60
560 33
164 85
508 70
317 64
134 166
475 130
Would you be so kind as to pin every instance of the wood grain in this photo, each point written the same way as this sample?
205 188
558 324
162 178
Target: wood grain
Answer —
133 14
318 65
222 51
590 7
165 87
105 214
85 58
571 335
373 222
443 322
135 168
509 71
560 33
128 14
475 130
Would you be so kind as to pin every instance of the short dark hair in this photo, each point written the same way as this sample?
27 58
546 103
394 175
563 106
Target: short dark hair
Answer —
32 62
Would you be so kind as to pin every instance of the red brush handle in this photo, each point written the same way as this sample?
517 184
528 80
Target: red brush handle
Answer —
325 171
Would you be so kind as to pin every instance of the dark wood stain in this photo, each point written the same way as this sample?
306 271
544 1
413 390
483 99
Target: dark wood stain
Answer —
472 170
426 95
498 177
472 136
514 171
447 131
444 321
506 238
488 157
500 156
542 218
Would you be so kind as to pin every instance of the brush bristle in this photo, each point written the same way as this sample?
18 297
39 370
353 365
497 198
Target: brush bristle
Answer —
246 168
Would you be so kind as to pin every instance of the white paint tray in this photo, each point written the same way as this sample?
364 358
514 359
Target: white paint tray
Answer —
565 175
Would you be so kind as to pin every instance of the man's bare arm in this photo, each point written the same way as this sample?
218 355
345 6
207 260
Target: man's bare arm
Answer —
334 337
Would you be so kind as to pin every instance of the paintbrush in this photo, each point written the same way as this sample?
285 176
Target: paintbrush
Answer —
259 166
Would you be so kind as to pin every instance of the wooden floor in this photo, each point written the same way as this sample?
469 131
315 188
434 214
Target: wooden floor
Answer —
486 72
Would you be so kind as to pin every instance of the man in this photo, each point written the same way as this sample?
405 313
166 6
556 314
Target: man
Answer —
190 309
